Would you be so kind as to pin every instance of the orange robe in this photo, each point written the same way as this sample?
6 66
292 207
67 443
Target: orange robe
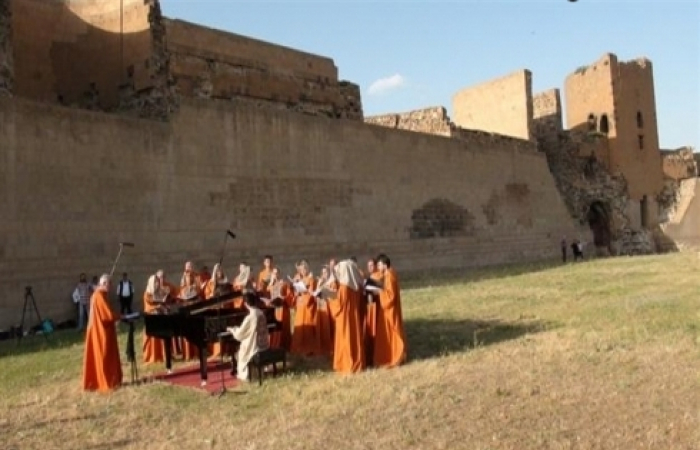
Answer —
189 351
214 348
324 325
305 339
263 281
102 368
349 349
153 348
390 340
283 338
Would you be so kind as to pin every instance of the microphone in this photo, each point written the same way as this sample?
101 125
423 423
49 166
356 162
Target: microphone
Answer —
127 244
230 233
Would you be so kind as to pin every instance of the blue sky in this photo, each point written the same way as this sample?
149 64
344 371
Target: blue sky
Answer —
420 53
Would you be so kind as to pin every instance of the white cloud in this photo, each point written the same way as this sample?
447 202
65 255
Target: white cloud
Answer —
384 85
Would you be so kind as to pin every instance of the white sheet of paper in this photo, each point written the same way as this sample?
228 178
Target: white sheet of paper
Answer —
373 289
300 287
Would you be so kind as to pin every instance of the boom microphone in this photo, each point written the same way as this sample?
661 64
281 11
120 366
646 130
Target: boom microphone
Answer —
127 244
230 233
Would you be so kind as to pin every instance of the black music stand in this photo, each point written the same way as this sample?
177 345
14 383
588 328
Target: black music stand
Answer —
28 295
222 389
131 348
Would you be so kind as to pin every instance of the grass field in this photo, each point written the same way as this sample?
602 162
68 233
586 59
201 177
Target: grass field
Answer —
596 355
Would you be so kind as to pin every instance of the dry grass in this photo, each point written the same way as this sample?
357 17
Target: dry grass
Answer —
599 355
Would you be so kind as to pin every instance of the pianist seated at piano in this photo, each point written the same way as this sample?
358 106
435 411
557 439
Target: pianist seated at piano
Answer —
252 334
155 299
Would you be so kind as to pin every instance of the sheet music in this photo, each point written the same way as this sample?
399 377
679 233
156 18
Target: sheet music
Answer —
300 287
373 289
132 316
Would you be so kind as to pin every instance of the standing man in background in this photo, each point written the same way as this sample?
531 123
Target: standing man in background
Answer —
125 291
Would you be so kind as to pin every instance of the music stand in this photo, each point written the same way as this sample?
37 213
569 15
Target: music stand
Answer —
28 295
130 347
222 389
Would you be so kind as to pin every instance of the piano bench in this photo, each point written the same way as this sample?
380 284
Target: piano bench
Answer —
271 356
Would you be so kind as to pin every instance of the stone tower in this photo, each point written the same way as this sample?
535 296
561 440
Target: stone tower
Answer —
614 102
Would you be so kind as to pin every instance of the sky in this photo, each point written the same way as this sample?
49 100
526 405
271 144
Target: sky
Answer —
413 54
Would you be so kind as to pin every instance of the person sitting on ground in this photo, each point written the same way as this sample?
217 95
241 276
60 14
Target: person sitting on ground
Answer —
252 334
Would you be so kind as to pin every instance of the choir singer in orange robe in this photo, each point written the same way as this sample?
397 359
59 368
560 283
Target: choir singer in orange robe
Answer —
102 369
349 350
389 340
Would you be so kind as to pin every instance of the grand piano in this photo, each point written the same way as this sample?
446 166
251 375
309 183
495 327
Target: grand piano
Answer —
200 322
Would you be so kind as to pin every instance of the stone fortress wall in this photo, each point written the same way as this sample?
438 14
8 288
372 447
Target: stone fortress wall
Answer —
169 164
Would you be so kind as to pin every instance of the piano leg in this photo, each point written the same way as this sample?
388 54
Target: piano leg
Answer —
167 342
203 363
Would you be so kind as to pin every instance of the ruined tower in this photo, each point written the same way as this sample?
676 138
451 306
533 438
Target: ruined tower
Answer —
614 102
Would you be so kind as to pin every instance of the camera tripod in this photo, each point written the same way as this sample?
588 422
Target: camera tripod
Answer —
33 309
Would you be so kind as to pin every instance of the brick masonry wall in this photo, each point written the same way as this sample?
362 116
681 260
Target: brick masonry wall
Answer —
71 52
207 63
502 106
6 59
287 184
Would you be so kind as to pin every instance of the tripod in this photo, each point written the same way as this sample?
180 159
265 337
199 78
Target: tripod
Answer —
33 309
222 389
131 353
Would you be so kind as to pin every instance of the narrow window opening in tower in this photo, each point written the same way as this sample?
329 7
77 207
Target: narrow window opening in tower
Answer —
592 125
604 126
640 120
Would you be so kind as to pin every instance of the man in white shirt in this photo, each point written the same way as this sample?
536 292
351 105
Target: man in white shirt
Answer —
125 292
252 334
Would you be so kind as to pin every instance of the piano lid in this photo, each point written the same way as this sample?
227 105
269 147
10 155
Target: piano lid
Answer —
195 307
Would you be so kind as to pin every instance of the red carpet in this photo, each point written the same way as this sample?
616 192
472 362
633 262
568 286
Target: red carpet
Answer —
189 377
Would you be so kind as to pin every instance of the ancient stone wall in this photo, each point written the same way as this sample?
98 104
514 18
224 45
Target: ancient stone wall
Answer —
428 120
502 106
7 71
679 164
207 63
81 53
287 184
547 116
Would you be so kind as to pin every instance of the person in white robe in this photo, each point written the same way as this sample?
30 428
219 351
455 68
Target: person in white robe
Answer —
252 334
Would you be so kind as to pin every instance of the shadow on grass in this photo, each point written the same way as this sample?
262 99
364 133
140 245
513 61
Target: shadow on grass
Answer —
431 338
435 278
53 341
33 426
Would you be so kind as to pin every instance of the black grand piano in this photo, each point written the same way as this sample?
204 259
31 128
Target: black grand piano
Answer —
200 322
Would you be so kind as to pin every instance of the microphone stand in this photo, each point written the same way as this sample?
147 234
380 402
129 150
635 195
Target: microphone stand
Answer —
222 388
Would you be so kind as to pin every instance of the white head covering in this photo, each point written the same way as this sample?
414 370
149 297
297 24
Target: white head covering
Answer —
151 285
214 271
244 276
347 273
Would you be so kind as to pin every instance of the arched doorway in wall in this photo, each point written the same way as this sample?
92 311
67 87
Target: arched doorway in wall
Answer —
598 218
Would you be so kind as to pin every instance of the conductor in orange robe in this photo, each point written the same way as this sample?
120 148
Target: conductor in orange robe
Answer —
102 369
390 339
349 349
